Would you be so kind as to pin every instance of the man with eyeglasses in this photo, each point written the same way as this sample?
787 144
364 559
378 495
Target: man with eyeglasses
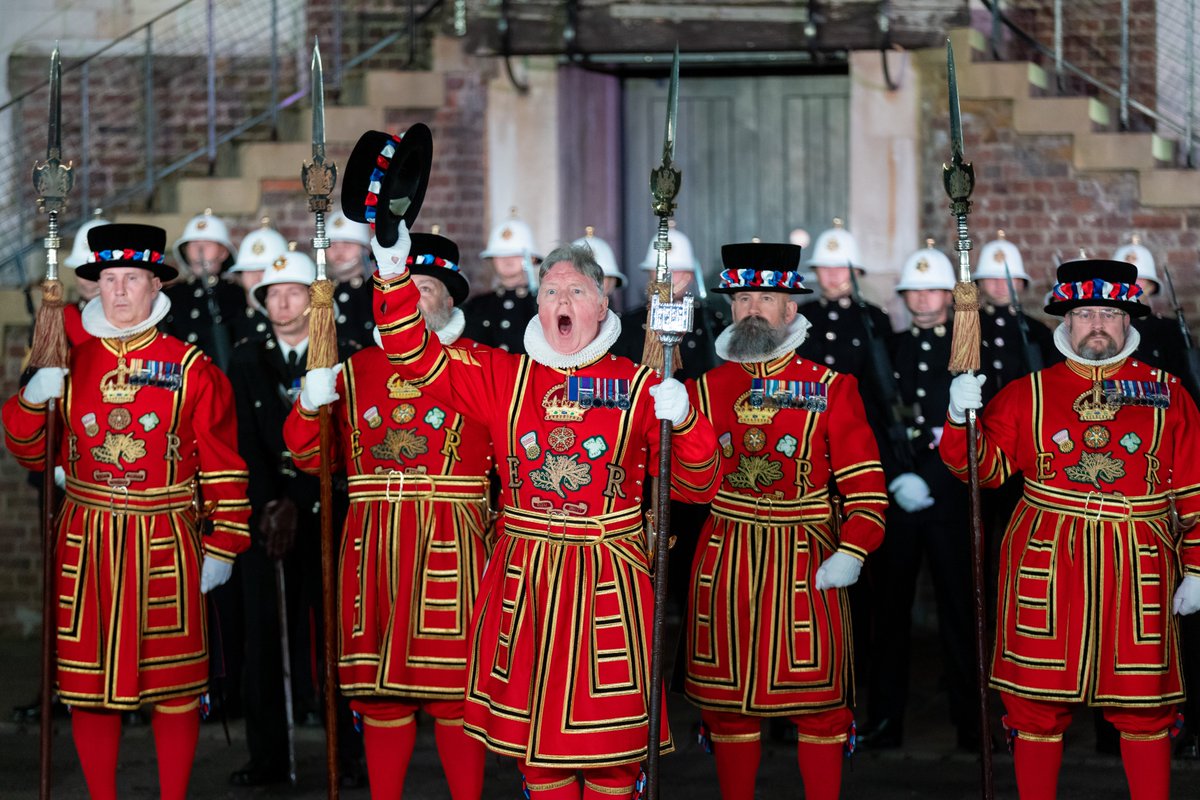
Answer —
1093 564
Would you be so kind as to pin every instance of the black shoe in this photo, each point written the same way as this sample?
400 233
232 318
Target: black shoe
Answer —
258 775
1188 746
353 775
885 735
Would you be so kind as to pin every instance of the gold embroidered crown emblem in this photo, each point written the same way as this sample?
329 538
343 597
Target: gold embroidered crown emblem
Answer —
559 408
115 387
400 389
1093 406
749 415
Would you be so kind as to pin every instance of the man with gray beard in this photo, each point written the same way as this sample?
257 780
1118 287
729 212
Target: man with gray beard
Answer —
768 625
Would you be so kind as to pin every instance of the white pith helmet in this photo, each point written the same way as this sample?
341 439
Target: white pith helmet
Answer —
510 238
80 252
293 266
603 253
835 247
1140 256
206 227
928 268
260 248
994 255
341 228
680 258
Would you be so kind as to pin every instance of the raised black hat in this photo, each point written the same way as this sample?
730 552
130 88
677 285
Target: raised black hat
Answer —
127 245
385 180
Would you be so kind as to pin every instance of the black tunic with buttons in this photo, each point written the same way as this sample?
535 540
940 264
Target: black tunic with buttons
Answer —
498 319
1163 346
355 318
697 351
251 325
204 314
838 338
1002 356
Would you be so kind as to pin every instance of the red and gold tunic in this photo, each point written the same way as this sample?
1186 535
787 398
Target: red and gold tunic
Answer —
559 667
1089 563
761 641
149 434
413 549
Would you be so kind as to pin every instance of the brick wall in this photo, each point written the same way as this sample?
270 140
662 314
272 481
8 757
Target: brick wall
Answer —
1028 186
20 535
1092 42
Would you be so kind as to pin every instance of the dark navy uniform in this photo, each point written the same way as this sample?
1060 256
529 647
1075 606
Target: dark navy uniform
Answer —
251 324
355 318
1001 352
498 319
696 351
203 313
940 535
838 337
265 386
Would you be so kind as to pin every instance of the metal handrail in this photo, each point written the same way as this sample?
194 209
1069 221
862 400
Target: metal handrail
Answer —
19 244
1185 130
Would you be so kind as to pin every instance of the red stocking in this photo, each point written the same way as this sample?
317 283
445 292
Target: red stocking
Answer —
1037 762
1147 767
462 760
389 747
737 766
176 726
97 737
821 769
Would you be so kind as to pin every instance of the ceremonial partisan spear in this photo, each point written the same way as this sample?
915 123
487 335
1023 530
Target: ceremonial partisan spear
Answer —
669 321
52 179
959 179
319 178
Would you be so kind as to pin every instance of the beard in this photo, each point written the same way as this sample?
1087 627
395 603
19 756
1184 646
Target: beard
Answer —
436 318
1098 346
752 337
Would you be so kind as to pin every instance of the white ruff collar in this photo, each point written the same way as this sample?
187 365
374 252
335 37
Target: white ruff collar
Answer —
537 348
1132 340
797 332
448 334
96 324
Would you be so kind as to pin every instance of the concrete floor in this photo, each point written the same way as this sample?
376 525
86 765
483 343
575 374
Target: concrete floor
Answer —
927 767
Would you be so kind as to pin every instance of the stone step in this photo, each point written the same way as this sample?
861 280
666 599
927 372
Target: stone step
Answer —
1104 152
1058 115
394 89
999 80
1175 188
342 123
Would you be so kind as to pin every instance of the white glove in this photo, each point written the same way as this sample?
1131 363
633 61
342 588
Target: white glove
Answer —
671 402
911 492
47 382
966 393
318 389
1187 596
213 573
839 571
60 477
392 261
